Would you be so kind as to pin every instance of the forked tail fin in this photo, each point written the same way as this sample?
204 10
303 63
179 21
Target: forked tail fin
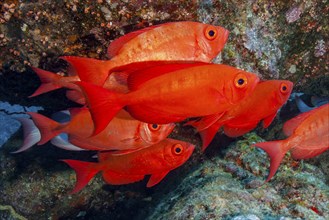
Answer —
84 171
31 134
274 150
48 81
46 126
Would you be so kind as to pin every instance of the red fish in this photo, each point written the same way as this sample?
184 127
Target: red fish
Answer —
160 97
187 40
122 133
262 104
308 137
117 169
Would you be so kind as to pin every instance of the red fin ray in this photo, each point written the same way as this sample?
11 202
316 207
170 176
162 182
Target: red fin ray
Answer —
103 104
48 81
90 70
85 171
47 127
273 149
206 121
268 120
208 134
156 178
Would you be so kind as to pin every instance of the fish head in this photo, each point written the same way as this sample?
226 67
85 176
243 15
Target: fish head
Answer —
239 85
211 40
282 91
177 152
154 133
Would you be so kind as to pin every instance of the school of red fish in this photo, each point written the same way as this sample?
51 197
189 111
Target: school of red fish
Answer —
156 77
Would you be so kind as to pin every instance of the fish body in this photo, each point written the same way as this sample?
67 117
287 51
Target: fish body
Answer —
157 161
308 137
190 41
122 133
262 104
161 97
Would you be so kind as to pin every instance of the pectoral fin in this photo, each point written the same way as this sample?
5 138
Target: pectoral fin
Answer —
290 126
206 121
268 120
156 178
207 135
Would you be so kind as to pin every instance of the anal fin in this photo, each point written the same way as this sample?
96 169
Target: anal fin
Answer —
156 178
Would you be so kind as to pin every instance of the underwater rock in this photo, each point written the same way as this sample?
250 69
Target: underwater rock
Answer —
218 190
220 184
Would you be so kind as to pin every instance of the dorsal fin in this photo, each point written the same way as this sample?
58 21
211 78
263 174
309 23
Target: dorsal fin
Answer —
206 121
137 78
290 126
117 44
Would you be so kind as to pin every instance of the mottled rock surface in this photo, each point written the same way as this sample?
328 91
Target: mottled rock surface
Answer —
275 39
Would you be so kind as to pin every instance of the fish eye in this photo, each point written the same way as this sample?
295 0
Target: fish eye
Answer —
210 33
240 80
154 127
177 149
284 88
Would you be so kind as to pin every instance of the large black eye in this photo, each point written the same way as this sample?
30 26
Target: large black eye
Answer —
153 127
177 149
240 82
211 33
284 88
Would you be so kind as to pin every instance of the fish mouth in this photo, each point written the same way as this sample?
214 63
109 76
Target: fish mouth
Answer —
189 150
226 34
171 127
256 81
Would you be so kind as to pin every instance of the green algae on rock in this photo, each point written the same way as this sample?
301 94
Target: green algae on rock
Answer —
216 190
